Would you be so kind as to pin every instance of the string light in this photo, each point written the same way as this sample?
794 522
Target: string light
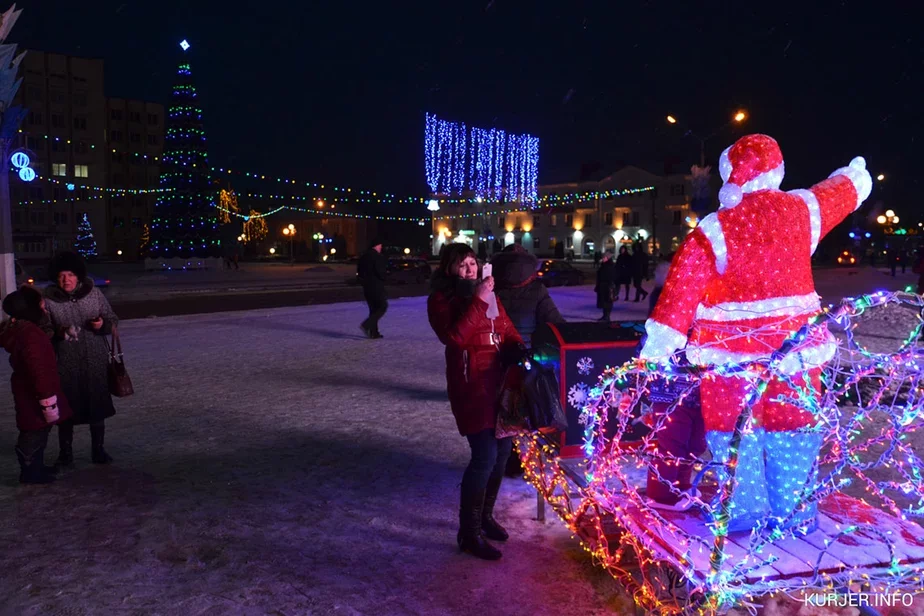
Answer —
866 405
489 162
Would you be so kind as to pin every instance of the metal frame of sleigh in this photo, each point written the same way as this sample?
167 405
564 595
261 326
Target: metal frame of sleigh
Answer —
675 562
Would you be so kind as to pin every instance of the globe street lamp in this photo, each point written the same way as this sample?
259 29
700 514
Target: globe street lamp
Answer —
289 232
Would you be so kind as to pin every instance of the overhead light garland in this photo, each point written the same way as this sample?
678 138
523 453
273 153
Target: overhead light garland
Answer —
870 404
489 162
125 191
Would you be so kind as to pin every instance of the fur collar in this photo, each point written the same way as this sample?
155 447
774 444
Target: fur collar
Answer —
57 294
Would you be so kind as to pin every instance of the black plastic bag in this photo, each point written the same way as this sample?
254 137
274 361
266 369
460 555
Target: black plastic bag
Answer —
541 399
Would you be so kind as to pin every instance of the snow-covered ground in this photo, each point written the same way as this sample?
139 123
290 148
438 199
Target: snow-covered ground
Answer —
276 462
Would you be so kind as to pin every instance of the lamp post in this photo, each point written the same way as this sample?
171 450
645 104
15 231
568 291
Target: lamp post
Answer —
289 232
739 117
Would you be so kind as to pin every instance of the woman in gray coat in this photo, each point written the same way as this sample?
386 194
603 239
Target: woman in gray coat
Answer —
81 318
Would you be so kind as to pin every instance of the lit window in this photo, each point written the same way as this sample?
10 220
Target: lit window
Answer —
81 171
59 169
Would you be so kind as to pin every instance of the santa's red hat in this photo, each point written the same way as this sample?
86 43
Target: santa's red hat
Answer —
753 163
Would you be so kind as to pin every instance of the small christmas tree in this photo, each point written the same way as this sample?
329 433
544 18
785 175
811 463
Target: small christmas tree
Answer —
145 243
86 244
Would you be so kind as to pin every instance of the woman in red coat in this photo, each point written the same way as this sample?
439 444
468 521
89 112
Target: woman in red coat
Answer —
459 310
37 392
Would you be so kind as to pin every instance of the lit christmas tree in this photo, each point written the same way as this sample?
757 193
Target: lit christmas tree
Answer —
86 244
144 243
185 222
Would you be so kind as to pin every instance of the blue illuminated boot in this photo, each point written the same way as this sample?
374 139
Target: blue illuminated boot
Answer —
748 504
791 467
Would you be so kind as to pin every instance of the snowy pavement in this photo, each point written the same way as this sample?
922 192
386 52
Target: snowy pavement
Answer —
276 462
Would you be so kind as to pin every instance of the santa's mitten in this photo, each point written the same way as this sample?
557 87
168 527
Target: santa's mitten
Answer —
661 343
862 181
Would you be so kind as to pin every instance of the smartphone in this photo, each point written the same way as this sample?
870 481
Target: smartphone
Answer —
486 270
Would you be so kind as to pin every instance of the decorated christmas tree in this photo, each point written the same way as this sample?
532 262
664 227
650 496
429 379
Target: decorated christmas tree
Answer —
185 221
86 244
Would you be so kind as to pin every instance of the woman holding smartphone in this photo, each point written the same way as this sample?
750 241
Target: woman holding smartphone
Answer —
80 318
468 319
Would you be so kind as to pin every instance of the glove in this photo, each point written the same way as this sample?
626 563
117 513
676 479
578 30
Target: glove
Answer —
856 172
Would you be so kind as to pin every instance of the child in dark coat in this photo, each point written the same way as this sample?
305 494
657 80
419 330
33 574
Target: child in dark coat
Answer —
37 393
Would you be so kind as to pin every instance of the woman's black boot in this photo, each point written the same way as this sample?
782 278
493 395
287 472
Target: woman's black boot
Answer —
31 468
492 529
470 537
65 445
97 438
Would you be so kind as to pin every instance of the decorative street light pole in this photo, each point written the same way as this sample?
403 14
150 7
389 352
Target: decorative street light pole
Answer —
739 117
289 232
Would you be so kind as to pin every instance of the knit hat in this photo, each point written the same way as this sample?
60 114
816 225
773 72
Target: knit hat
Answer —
753 163
67 262
24 304
376 240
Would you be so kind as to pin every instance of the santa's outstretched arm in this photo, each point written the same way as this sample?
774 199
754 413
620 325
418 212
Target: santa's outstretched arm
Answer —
691 270
831 201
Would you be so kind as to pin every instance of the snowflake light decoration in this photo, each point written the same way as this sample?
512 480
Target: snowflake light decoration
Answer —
585 365
577 395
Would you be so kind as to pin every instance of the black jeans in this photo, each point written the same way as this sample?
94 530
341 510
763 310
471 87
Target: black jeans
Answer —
378 305
489 459
31 442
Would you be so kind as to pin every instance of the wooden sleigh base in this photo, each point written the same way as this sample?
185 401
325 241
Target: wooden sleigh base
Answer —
664 558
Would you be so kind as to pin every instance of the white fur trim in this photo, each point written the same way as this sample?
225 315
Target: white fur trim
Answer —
768 179
856 172
725 166
789 306
52 401
663 340
712 229
793 363
814 210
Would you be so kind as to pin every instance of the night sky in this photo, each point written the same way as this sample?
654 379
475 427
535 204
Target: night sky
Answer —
336 92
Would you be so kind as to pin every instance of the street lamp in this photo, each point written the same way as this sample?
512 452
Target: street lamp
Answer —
289 232
881 219
890 214
740 116
880 177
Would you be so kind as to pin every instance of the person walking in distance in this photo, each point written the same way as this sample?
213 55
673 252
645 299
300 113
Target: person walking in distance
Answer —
623 271
639 271
606 286
371 272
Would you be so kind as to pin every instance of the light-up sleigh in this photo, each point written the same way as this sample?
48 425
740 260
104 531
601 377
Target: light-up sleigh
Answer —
869 487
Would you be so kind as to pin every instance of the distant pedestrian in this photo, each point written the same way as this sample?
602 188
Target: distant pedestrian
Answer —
918 269
623 271
597 257
903 259
371 270
639 271
80 319
37 394
480 339
893 258
605 288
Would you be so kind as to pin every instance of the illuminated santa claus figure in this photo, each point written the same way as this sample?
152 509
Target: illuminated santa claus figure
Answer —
739 286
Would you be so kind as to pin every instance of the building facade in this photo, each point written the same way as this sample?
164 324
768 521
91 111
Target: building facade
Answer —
67 134
135 143
586 219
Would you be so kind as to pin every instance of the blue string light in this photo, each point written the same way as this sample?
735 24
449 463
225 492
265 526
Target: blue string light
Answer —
458 158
